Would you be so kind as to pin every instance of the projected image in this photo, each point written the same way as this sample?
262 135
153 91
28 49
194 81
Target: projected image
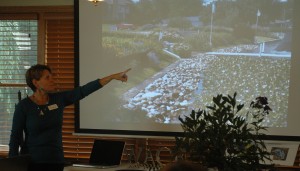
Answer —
184 52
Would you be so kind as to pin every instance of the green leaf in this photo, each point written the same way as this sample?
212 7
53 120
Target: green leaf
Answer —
218 136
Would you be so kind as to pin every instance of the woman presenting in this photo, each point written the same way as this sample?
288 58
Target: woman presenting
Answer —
40 117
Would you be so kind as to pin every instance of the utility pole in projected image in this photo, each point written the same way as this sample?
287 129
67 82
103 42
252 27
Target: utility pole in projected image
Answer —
257 16
213 9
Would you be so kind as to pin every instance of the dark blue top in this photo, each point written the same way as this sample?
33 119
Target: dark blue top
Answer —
42 125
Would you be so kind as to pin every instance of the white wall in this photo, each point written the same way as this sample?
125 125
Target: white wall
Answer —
36 2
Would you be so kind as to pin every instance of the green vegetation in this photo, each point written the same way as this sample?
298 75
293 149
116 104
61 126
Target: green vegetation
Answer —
218 136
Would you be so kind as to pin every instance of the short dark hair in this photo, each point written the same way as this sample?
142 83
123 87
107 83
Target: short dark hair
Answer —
35 72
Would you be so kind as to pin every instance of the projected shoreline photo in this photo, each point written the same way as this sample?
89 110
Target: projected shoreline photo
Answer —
185 52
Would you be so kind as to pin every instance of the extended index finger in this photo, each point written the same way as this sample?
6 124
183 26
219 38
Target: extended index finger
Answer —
126 70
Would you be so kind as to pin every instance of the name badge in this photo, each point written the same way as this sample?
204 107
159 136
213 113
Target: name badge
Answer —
52 107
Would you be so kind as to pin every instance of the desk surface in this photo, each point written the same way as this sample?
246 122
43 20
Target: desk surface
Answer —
128 167
123 167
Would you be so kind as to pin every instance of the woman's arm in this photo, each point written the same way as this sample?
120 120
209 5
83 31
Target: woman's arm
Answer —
81 92
16 137
118 76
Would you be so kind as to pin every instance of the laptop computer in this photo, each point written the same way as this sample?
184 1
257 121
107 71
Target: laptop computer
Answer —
18 163
105 154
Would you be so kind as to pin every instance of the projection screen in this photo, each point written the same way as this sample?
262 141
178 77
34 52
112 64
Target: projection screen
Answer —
182 53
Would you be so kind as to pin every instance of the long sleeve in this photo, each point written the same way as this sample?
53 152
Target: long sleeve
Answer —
81 92
18 125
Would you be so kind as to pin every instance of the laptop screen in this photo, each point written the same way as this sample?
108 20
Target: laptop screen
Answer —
107 152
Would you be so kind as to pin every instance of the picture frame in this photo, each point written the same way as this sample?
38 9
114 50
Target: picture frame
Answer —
282 153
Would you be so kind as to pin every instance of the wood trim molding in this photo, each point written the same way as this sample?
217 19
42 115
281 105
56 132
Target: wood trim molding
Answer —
37 9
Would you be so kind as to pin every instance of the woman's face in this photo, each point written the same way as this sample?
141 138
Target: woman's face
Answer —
46 82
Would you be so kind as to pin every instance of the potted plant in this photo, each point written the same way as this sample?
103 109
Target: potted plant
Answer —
222 137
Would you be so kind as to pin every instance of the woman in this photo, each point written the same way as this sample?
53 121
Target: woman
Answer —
40 117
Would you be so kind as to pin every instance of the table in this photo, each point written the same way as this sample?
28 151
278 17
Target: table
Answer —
122 167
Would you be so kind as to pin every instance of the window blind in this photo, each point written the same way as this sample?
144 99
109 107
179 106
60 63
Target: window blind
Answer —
18 51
